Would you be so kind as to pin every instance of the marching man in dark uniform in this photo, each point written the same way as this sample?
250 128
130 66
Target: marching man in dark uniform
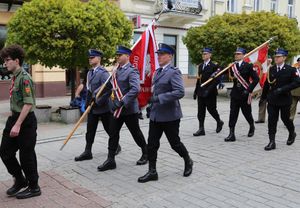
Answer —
127 87
282 78
95 79
20 129
207 95
240 96
165 113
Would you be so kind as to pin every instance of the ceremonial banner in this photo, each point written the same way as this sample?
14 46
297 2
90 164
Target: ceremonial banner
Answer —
259 61
144 58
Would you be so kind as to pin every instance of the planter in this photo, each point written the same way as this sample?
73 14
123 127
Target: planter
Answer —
69 114
55 117
42 113
228 91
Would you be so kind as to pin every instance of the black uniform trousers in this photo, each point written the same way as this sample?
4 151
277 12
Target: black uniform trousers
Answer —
235 106
209 103
273 112
92 124
132 123
171 130
25 143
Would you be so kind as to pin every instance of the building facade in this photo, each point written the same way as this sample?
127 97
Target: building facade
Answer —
173 24
48 82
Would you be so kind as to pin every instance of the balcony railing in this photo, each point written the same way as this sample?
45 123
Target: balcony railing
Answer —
180 6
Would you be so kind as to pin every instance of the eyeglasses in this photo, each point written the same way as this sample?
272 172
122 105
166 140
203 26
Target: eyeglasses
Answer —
7 59
91 57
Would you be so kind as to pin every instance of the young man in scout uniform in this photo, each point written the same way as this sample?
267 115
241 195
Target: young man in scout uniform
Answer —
20 129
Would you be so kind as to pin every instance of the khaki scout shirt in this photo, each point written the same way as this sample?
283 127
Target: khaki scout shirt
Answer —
22 91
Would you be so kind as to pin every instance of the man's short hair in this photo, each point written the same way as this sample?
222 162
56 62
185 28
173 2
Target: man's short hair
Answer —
14 52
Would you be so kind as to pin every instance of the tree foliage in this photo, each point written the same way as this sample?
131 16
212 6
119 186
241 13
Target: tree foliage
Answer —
59 32
226 32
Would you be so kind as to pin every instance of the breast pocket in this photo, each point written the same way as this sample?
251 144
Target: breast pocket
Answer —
123 83
17 93
163 86
95 86
283 79
206 74
245 74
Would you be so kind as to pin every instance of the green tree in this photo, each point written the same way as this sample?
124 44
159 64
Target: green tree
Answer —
60 32
225 33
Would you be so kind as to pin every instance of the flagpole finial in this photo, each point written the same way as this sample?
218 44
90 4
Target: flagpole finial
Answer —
273 38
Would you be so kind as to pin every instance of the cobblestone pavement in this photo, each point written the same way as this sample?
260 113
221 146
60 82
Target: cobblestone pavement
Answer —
57 192
239 174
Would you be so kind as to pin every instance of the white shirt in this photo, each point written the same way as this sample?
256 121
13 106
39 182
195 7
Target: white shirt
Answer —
281 66
94 70
121 67
205 63
165 66
239 62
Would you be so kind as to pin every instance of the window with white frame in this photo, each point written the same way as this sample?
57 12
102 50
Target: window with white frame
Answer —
290 8
273 6
256 5
136 36
231 6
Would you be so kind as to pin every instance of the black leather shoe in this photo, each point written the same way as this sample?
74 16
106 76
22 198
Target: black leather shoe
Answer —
291 138
118 150
18 185
259 121
29 192
219 126
151 175
143 160
109 164
188 168
230 138
86 155
270 146
200 132
251 131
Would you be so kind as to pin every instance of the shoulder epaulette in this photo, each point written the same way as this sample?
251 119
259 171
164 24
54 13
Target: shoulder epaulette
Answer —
175 68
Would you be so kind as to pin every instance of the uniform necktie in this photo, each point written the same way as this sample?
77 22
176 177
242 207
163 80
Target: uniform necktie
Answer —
278 69
94 71
159 70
